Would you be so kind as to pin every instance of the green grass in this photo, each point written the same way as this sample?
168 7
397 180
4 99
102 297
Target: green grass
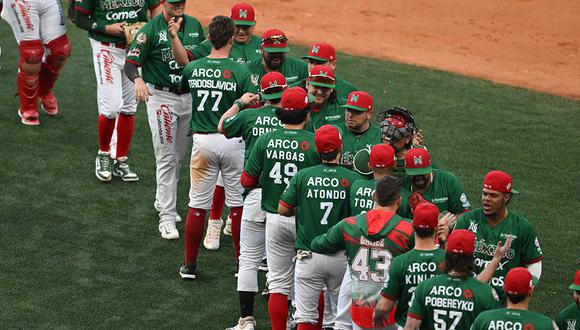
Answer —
77 253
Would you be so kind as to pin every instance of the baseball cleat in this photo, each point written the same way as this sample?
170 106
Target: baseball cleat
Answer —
228 227
103 165
29 118
212 236
263 265
245 323
188 272
177 218
123 171
168 230
49 104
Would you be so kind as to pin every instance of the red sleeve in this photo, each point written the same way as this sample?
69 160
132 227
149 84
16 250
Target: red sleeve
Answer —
248 180
415 316
534 260
190 55
133 62
286 204
391 298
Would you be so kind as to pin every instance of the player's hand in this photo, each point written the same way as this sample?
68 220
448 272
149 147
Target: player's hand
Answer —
502 249
115 29
250 100
380 313
174 26
142 92
443 226
418 138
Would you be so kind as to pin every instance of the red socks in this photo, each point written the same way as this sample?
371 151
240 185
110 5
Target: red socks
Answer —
278 309
194 226
125 126
217 205
236 216
106 127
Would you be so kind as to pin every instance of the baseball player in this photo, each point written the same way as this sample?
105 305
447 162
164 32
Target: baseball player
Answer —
518 289
168 106
39 29
371 240
250 125
274 58
323 53
326 107
454 299
424 183
318 197
215 83
569 317
115 92
275 158
357 131
423 262
493 223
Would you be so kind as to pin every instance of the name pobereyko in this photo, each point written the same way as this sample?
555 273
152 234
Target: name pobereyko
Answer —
316 189
293 155
453 298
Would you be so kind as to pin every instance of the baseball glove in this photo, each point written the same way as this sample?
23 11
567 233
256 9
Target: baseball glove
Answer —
131 31
415 199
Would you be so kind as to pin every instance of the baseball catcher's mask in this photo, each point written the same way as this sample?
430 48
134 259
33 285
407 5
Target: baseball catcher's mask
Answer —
396 123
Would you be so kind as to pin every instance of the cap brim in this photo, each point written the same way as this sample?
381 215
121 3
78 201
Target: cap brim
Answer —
271 96
419 170
354 107
319 84
248 23
575 287
514 192
276 50
315 58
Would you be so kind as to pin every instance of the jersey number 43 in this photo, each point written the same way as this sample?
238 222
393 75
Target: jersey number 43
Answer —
362 264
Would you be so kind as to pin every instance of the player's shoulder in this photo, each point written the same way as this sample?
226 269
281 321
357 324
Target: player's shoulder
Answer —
468 217
191 20
519 219
444 176
363 182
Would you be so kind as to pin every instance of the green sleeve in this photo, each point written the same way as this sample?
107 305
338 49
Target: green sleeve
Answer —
560 320
478 323
254 163
462 222
153 3
202 50
186 73
234 126
139 49
531 250
417 302
393 284
290 195
458 197
330 242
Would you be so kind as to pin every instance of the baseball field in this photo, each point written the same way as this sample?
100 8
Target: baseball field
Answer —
77 253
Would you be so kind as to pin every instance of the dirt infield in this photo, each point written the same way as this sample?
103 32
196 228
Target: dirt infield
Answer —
527 43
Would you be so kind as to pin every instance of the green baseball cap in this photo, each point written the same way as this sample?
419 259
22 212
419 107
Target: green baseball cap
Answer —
174 1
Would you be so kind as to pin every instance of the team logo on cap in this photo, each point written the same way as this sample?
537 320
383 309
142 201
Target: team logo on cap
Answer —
324 74
354 98
418 160
508 186
273 83
243 13
315 49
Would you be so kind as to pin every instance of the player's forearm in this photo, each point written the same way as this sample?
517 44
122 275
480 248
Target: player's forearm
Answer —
412 323
85 22
285 209
232 111
179 52
131 71
487 273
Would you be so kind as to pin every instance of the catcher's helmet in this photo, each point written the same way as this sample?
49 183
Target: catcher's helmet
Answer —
397 123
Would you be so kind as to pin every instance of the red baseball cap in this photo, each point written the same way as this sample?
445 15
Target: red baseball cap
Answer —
327 139
499 181
426 216
518 281
294 99
461 241
576 284
272 85
322 52
322 75
382 156
418 162
243 14
275 41
359 101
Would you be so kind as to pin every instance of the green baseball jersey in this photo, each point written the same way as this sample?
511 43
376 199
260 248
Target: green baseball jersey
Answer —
320 196
343 88
361 196
354 142
277 156
108 12
569 318
445 191
405 273
507 318
329 114
446 302
151 49
371 241
241 53
525 248
250 124
215 84
293 69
